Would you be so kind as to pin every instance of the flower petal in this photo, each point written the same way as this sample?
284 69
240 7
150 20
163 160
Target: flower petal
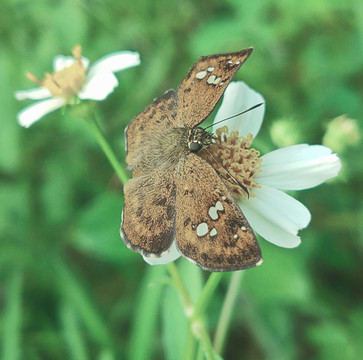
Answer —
298 167
34 112
237 98
61 62
276 216
172 255
33 94
115 62
99 86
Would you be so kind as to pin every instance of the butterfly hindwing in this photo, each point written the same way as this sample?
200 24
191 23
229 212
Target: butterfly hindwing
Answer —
205 83
211 230
157 117
148 217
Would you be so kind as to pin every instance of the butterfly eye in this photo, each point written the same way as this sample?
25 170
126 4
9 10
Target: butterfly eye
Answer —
195 146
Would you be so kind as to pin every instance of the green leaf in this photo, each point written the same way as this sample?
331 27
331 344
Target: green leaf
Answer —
10 149
174 321
143 333
97 230
282 278
332 340
174 325
11 320
71 288
72 332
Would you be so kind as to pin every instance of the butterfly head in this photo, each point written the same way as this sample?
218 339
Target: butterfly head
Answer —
199 138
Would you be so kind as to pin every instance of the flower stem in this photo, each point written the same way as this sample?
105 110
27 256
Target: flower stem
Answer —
207 293
190 346
183 292
226 313
200 332
195 314
197 322
105 146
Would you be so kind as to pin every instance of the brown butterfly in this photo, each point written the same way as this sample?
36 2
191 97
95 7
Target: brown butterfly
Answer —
176 195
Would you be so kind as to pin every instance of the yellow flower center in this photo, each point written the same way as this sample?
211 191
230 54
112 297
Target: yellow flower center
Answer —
67 82
232 157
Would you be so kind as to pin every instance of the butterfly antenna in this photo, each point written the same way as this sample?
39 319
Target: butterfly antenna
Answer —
231 117
233 178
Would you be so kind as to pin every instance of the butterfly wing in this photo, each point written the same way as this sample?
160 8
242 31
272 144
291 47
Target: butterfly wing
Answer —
148 216
211 230
157 117
205 83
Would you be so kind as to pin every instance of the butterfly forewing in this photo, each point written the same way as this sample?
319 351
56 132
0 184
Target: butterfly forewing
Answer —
211 230
157 117
205 83
148 217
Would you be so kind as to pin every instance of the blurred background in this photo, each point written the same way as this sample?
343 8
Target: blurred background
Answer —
69 287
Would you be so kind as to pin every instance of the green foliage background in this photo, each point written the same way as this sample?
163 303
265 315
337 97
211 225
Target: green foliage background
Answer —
69 288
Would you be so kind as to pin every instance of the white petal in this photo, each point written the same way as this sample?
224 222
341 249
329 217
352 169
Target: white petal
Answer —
237 98
298 167
172 255
34 112
33 94
115 62
99 86
60 62
276 216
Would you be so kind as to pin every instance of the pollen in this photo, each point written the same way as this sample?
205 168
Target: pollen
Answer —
67 82
233 158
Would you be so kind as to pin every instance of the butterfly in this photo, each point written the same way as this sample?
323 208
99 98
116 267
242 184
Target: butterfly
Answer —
176 195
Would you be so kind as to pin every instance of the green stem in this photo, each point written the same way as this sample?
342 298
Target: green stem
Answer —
105 146
226 313
207 293
183 292
197 322
12 318
200 332
200 353
196 314
190 345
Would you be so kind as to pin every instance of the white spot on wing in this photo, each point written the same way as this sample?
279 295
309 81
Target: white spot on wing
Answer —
213 213
201 74
154 256
210 68
235 236
243 228
258 263
224 198
219 206
202 229
216 81
211 79
213 232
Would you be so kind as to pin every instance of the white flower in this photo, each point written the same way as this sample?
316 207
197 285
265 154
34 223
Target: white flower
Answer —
274 215
73 78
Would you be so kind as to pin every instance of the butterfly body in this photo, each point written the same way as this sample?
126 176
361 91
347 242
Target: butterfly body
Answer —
174 193
163 149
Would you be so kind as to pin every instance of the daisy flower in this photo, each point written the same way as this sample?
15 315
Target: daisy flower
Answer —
73 79
273 214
